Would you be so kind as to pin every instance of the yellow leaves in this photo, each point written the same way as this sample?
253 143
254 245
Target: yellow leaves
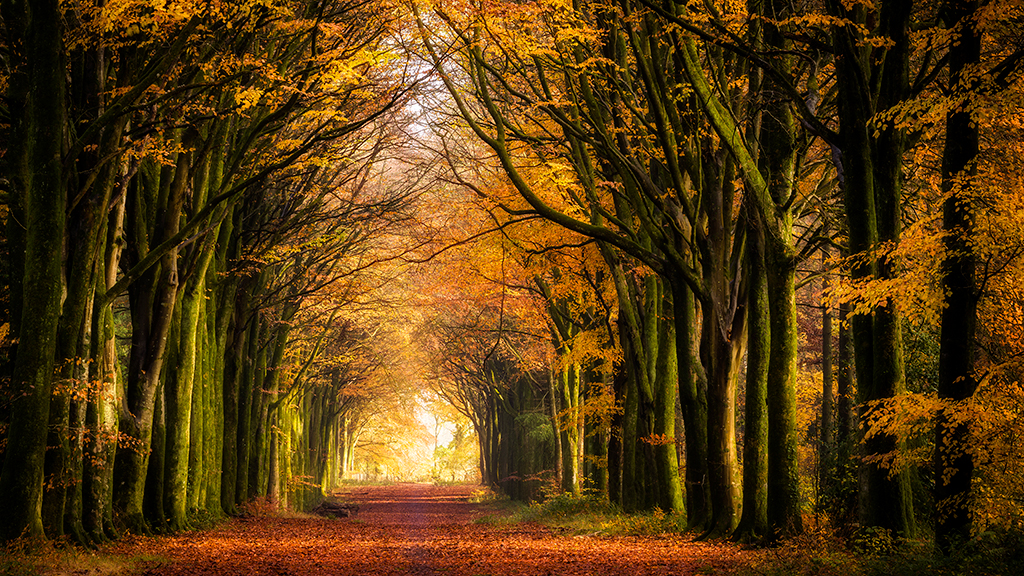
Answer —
907 419
576 35
925 113
995 420
913 288
589 346
141 22
139 16
247 98
813 20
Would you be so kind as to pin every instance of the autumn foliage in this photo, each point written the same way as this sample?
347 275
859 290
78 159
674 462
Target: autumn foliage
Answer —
753 266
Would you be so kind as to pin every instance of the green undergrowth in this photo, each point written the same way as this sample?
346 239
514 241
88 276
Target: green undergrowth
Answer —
351 482
585 514
819 552
57 559
875 553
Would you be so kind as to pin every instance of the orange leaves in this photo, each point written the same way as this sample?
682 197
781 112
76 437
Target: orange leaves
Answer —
657 440
417 528
993 416
909 418
913 290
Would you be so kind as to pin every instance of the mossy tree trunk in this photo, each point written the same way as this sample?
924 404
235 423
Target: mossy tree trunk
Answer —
754 519
154 212
37 203
871 168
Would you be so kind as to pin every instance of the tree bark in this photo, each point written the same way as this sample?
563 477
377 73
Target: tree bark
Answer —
693 400
667 387
871 167
953 462
826 442
38 114
754 519
153 308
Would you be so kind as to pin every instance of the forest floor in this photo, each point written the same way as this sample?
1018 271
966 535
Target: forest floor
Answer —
417 529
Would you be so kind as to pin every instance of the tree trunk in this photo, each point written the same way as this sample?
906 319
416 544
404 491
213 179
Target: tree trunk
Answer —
181 384
236 346
779 157
556 424
693 400
783 462
38 115
954 465
871 169
615 450
570 437
754 520
723 466
153 307
826 442
666 387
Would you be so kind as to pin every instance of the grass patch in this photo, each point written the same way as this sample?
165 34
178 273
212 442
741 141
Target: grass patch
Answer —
819 552
586 514
49 559
871 553
487 496
352 482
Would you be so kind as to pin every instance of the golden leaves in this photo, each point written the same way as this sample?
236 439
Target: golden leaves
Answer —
913 289
248 98
657 440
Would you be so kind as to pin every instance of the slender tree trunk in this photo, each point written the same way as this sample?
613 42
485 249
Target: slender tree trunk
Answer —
783 471
754 520
246 393
723 465
631 492
570 436
255 485
826 443
148 347
871 180
556 423
954 464
671 497
101 415
236 345
779 156
844 387
693 399
181 384
153 505
596 434
615 449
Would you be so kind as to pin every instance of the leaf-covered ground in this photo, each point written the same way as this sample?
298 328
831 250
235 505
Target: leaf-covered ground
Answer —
420 529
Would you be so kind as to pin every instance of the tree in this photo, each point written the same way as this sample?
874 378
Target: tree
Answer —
953 464
36 228
873 80
246 92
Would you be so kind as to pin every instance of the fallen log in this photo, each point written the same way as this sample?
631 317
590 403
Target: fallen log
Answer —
335 510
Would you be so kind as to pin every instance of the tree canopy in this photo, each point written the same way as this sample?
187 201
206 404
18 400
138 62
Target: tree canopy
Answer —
736 261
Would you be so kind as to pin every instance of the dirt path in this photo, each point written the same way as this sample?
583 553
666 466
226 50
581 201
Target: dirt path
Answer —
418 529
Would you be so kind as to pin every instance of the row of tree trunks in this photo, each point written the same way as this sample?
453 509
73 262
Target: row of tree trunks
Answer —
128 240
871 167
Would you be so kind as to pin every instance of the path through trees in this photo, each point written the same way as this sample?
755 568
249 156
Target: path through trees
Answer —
252 251
419 529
